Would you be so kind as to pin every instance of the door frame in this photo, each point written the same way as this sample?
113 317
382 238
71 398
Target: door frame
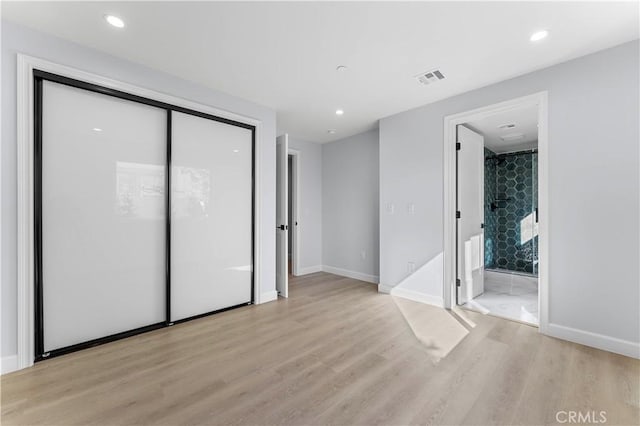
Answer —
295 209
539 99
25 191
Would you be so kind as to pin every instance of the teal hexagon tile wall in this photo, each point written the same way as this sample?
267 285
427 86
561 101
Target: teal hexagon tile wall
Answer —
490 216
510 211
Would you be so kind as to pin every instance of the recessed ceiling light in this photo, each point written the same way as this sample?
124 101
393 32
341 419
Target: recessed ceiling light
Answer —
114 20
539 35
339 112
507 126
236 150
341 68
331 131
97 129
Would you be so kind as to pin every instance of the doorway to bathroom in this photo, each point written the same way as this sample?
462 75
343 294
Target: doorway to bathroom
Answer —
510 211
497 228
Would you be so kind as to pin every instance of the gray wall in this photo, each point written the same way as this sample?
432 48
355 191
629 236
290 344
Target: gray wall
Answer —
350 219
593 187
19 39
310 215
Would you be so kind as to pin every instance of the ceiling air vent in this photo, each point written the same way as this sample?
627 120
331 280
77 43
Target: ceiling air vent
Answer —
512 137
429 77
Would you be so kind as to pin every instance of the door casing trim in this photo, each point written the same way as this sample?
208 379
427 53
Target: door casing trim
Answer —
296 239
539 99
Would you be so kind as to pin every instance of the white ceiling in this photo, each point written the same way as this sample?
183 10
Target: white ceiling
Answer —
525 121
284 55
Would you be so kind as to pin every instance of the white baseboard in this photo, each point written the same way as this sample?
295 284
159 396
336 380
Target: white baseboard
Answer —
595 340
416 296
338 271
351 274
309 270
383 288
268 296
9 364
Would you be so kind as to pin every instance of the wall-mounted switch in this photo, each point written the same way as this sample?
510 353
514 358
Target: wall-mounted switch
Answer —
390 208
411 208
411 267
363 254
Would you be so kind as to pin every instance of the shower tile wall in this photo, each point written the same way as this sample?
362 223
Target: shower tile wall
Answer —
534 241
490 216
509 225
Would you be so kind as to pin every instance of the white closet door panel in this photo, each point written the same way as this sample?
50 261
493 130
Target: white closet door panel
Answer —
103 213
211 222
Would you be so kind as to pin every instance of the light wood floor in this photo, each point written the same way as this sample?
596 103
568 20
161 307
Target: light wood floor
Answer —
336 352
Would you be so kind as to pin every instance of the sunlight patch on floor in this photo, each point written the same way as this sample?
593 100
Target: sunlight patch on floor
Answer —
438 329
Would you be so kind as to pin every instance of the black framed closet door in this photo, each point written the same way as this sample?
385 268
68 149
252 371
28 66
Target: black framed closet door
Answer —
211 215
102 211
105 242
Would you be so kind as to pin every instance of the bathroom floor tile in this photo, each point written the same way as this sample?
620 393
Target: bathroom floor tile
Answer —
508 295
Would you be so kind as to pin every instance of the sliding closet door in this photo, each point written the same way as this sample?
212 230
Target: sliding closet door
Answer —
211 215
102 180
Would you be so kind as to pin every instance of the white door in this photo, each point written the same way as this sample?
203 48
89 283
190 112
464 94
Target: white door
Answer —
103 215
211 215
282 191
471 208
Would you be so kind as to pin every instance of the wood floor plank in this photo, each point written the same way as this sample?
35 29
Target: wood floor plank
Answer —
336 352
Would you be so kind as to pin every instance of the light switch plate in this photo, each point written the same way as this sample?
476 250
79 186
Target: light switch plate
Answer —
390 208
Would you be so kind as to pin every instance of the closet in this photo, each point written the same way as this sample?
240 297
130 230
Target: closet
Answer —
143 214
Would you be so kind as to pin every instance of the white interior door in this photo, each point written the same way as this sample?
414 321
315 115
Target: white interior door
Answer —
103 215
471 208
211 215
282 204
